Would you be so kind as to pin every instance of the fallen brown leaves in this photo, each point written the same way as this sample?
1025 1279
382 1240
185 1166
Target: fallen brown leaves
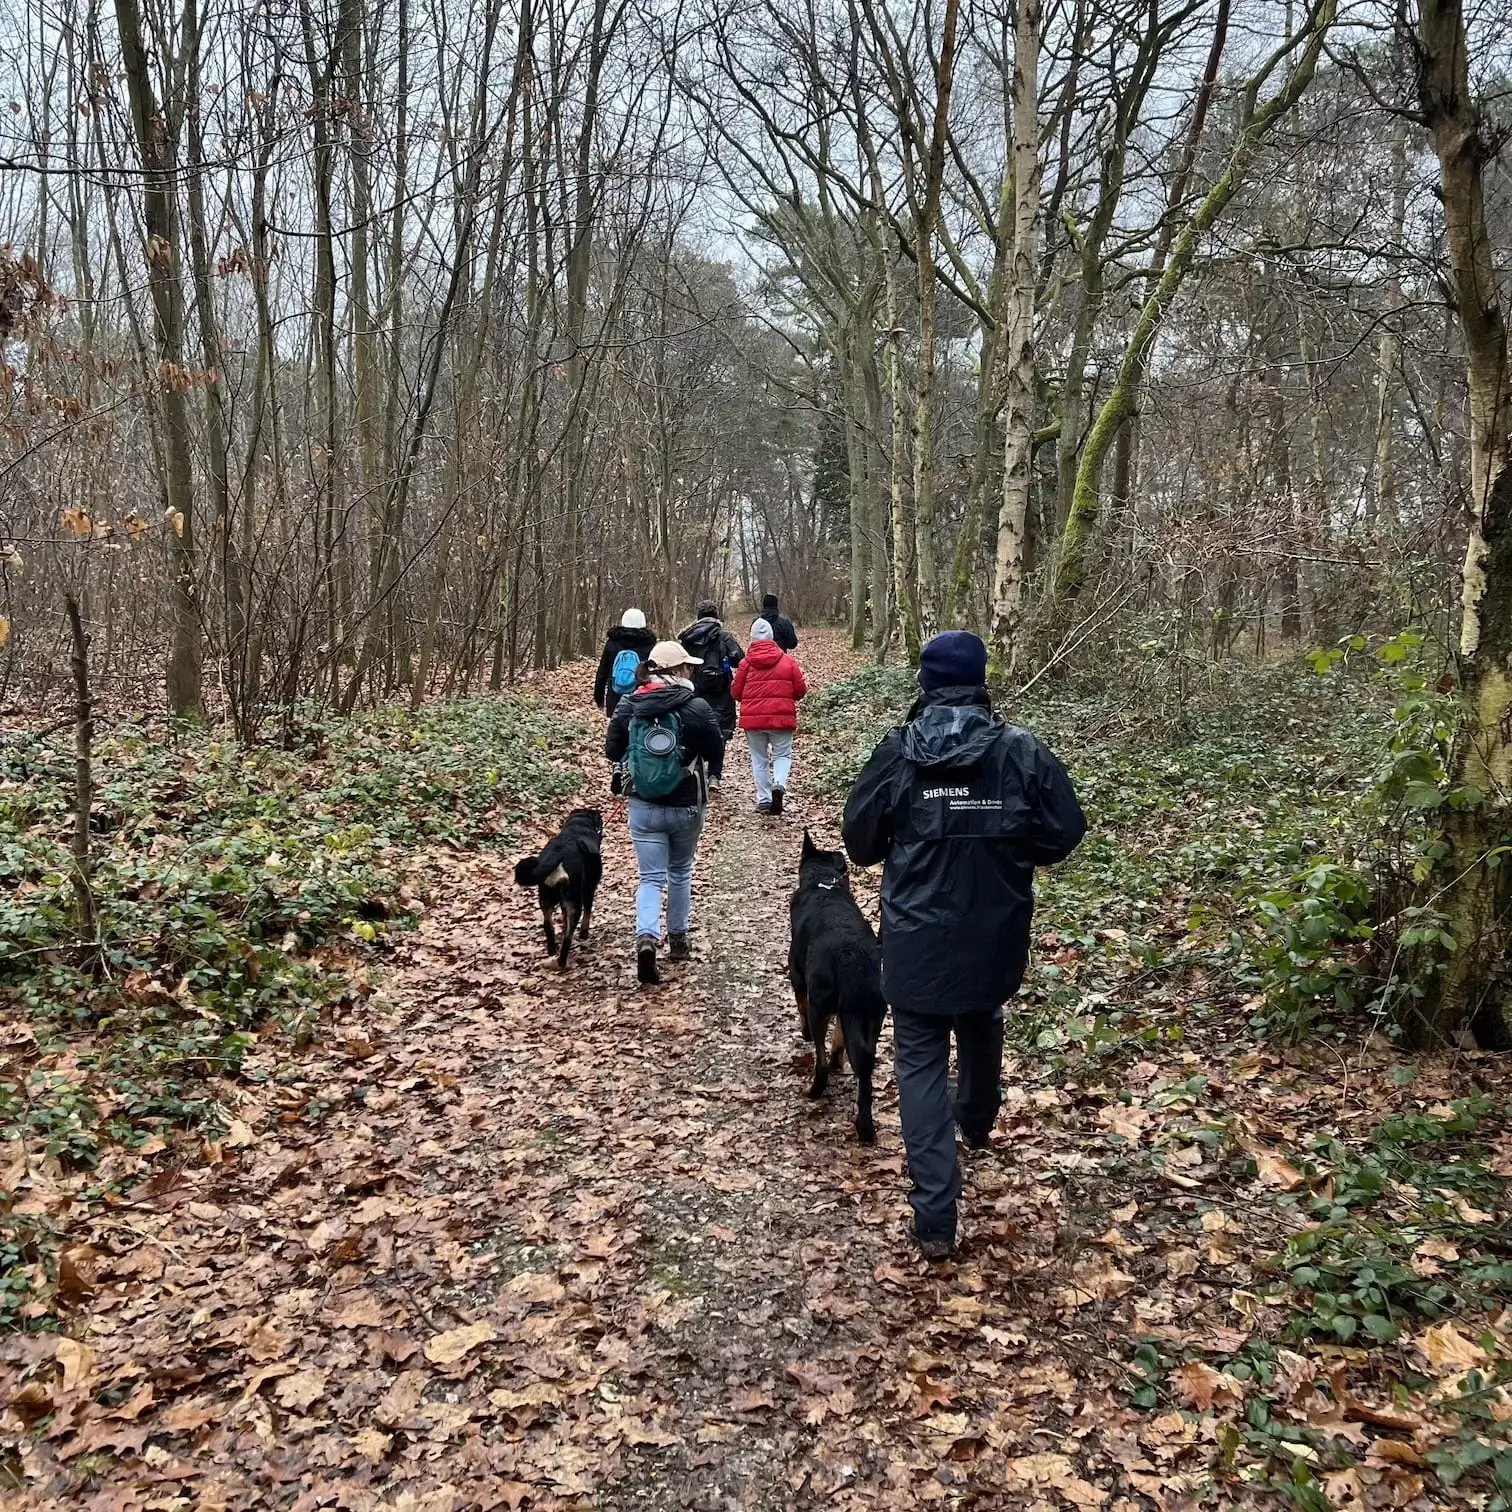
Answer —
529 1241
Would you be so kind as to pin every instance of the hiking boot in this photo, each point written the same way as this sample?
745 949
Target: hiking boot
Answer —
778 794
646 971
764 807
682 949
935 1248
714 784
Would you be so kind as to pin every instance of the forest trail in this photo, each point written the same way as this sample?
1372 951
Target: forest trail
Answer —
499 1237
508 1238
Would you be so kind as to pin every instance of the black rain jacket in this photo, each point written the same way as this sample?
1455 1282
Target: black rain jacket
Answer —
701 637
782 627
620 638
701 740
962 807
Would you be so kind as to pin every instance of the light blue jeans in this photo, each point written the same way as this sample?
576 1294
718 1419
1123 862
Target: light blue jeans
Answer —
666 842
771 760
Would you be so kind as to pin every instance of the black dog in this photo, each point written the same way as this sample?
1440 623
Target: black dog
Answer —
835 966
567 874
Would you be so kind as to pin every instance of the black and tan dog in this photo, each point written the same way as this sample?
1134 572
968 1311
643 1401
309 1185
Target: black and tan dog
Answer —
567 874
835 966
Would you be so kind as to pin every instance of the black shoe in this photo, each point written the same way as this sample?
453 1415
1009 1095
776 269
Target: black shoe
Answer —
616 783
646 970
935 1248
778 794
682 949
763 808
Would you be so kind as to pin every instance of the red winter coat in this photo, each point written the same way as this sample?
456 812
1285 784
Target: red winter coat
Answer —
768 685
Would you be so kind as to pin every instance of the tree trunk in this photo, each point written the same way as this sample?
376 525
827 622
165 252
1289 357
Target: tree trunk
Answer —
157 144
1471 981
924 379
83 796
1389 349
1018 353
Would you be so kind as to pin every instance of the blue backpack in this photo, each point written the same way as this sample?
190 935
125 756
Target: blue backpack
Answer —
622 677
655 756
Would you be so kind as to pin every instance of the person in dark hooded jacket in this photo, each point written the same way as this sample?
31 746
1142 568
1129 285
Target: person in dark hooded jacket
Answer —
782 627
616 676
665 825
961 807
718 654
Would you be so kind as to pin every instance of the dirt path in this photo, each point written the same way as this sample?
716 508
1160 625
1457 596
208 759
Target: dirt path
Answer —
516 1239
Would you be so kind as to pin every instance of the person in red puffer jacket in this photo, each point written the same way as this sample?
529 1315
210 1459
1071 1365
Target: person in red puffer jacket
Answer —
768 685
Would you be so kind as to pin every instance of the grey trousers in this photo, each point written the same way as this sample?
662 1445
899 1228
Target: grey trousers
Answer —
921 1043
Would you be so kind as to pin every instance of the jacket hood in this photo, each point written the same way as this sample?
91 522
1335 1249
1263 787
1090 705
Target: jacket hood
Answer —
950 734
631 640
764 653
769 602
701 630
659 698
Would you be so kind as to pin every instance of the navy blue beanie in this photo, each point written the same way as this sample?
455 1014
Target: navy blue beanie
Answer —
953 659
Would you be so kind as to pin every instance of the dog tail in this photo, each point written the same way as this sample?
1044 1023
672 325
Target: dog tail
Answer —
529 873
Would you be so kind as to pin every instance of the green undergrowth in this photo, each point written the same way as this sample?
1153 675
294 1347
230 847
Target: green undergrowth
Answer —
1224 841
237 890
1226 920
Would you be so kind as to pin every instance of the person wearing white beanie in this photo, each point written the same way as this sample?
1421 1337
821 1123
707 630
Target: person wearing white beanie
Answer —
626 647
768 685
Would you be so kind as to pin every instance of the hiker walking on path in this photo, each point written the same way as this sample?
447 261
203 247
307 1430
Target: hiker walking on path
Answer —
625 648
962 807
767 687
717 654
665 735
782 627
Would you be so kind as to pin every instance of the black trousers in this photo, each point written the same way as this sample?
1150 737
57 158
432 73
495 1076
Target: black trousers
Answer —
921 1044
725 712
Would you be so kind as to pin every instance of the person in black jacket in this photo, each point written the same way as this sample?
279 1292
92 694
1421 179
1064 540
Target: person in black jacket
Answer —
782 627
610 682
962 807
717 653
665 829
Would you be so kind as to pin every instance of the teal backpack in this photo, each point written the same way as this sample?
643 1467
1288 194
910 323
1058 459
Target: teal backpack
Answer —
655 756
626 665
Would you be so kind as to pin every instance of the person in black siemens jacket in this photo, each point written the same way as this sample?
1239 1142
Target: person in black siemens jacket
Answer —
962 807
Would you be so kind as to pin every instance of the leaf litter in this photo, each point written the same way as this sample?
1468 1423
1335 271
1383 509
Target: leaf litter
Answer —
509 1238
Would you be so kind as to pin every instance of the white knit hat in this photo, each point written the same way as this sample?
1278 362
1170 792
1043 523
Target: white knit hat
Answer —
761 630
633 619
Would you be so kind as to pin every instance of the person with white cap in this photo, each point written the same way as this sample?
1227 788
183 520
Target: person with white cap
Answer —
625 647
768 685
665 735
